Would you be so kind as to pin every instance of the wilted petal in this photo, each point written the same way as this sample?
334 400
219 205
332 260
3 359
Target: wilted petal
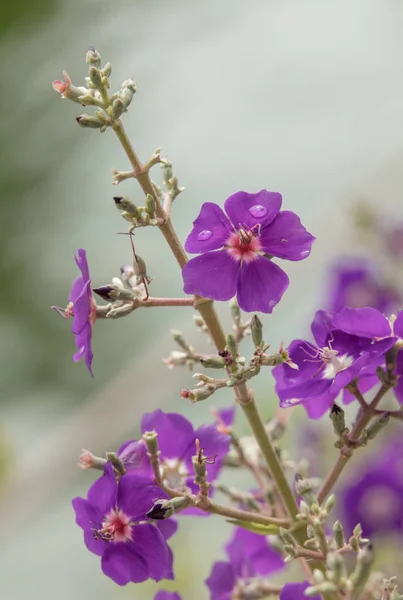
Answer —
286 237
210 230
249 210
211 275
261 285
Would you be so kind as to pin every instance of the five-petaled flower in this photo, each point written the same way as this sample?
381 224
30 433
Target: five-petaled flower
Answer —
177 444
236 250
82 308
116 528
346 345
250 555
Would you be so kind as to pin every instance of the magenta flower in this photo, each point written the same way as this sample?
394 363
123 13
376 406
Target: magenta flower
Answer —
163 595
355 283
345 345
295 591
116 528
236 250
250 555
177 445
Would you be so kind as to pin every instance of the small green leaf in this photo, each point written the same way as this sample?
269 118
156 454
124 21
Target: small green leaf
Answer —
255 527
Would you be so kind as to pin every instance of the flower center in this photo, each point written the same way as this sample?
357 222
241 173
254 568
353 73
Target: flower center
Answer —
115 527
334 363
243 245
174 473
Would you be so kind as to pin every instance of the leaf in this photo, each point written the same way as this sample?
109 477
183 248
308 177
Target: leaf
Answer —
255 527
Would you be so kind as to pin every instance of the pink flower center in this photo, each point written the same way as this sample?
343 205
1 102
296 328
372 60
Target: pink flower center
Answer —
115 527
243 245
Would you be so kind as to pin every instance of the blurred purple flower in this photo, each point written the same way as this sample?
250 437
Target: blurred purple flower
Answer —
115 528
346 343
295 591
163 595
250 555
354 283
236 250
82 308
177 444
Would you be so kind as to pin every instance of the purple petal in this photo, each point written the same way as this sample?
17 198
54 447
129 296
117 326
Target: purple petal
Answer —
317 407
365 383
399 371
213 443
227 415
261 285
137 494
295 591
398 325
210 230
163 595
306 390
321 327
366 322
81 260
83 343
103 492
77 288
249 210
81 310
123 564
87 515
250 550
175 433
286 237
212 275
134 456
221 581
152 547
168 527
94 545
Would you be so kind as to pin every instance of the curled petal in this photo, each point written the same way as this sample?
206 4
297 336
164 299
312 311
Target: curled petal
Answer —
249 210
210 230
212 275
286 237
261 285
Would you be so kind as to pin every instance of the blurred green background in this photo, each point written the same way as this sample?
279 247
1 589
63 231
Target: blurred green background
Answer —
299 96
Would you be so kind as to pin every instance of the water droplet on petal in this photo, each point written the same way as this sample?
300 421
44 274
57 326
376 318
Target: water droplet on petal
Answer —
258 211
204 235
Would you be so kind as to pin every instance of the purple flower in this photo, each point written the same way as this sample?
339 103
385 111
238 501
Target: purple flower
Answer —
82 308
374 498
354 283
115 528
236 250
295 591
177 444
345 345
250 555
163 595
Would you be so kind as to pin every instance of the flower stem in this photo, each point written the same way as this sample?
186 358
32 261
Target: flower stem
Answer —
243 515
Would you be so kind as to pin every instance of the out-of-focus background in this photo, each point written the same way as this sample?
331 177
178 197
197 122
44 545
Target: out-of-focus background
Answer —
299 96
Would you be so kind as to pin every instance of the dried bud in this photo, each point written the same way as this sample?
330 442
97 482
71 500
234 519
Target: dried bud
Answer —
338 420
256 327
127 92
67 90
163 509
93 57
91 122
197 394
118 108
213 362
338 533
116 462
88 460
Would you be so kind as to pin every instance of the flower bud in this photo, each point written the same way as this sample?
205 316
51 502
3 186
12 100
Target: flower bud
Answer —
363 566
151 441
88 460
95 77
232 346
235 310
338 533
67 90
256 327
213 362
166 168
180 340
107 70
150 205
286 536
93 57
163 509
197 394
303 487
127 92
118 108
337 565
91 122
329 504
127 209
376 426
338 420
113 292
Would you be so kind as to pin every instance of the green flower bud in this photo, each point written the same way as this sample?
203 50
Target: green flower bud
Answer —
95 77
256 327
338 533
93 57
118 108
127 92
213 362
91 122
338 420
